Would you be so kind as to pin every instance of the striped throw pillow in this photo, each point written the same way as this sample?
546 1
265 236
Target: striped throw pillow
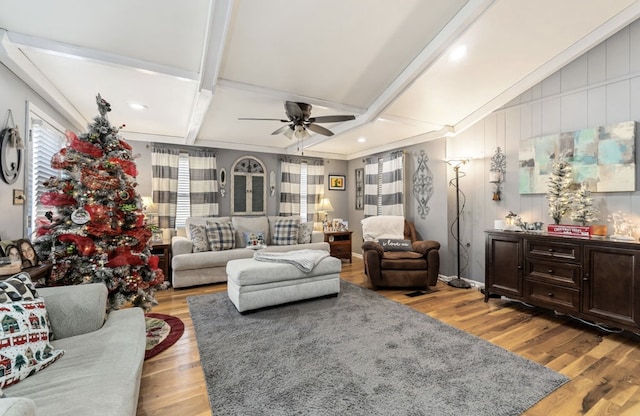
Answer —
221 235
286 232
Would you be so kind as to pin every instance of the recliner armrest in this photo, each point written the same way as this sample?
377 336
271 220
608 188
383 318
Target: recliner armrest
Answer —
372 245
425 246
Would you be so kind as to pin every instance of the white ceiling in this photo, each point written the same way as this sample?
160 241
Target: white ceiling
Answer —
199 65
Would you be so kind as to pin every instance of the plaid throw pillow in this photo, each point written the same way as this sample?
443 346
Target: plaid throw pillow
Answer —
221 235
286 232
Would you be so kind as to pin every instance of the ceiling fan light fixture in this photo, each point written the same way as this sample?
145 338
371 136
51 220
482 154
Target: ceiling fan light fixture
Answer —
300 132
289 133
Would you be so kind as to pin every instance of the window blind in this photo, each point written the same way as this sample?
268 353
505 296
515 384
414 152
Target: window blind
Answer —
304 208
183 210
46 141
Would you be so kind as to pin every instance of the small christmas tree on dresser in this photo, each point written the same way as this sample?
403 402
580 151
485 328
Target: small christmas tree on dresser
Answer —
583 211
559 194
96 230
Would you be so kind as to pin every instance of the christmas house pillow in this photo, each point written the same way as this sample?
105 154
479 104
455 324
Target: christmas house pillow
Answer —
24 335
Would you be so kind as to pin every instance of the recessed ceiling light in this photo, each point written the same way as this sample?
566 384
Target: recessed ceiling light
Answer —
361 140
458 53
138 106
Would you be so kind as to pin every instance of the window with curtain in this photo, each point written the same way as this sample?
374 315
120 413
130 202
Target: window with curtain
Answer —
301 188
164 184
384 185
47 138
185 184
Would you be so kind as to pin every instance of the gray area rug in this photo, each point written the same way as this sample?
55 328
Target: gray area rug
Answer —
356 354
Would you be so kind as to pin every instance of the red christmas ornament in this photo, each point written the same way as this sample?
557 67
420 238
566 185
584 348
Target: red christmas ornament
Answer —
98 179
124 258
84 245
124 144
153 262
56 199
59 160
127 166
83 147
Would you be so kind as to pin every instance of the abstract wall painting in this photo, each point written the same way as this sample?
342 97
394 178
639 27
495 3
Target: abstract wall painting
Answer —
603 157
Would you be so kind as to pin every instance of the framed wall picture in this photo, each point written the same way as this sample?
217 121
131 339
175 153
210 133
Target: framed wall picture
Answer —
360 188
337 183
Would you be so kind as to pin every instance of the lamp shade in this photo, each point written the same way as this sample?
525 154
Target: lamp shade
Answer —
325 205
147 203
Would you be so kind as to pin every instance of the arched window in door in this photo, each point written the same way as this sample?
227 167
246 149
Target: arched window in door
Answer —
248 187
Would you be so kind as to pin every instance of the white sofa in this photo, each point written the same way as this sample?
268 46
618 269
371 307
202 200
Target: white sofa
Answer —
191 269
100 371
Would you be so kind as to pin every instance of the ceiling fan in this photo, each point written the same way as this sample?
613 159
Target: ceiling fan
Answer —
299 121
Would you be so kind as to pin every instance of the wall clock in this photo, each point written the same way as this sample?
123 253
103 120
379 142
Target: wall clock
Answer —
10 156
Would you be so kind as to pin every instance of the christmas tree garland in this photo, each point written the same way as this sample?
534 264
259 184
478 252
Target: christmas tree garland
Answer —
96 231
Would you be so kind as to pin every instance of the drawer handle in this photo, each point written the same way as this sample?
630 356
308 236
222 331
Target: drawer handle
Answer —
519 267
550 271
550 294
551 250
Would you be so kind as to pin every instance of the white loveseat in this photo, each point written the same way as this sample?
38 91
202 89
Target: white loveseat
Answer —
191 269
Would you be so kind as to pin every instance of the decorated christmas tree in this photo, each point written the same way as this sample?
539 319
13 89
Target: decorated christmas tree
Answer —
96 231
559 187
583 211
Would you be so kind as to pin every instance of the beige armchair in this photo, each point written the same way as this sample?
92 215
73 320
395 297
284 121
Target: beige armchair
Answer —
417 268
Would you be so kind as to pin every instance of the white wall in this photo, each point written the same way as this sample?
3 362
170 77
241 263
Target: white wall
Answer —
14 96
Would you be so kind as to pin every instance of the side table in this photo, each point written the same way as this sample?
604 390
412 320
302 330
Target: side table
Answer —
163 251
339 243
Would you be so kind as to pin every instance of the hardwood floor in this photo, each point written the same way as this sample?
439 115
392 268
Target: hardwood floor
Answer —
604 368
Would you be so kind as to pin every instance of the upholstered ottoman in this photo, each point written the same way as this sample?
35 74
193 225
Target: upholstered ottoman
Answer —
253 284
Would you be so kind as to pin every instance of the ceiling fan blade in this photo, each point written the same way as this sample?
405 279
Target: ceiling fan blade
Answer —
331 119
281 130
293 110
269 119
320 130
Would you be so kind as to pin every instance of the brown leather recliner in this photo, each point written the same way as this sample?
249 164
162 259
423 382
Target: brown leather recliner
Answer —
418 268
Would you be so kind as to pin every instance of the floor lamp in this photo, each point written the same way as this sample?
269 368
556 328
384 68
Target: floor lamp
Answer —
458 281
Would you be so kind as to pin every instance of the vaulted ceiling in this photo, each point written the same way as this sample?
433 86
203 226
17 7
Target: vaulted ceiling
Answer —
197 66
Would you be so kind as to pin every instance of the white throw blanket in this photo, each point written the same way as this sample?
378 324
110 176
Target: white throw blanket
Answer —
304 260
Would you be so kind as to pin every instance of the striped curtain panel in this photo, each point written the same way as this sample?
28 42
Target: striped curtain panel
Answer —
203 183
164 184
384 185
315 188
392 186
289 188
371 187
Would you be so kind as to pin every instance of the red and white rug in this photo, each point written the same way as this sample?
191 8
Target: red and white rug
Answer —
162 332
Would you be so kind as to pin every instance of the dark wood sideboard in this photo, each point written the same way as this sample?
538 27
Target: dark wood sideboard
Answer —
593 279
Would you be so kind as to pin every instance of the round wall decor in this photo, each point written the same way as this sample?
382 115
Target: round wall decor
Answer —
10 156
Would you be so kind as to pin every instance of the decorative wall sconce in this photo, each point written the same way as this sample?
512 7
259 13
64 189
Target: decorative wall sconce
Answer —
497 171
272 183
222 181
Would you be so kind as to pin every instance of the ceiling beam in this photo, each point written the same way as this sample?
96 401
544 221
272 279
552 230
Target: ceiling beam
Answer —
212 55
18 63
429 54
76 52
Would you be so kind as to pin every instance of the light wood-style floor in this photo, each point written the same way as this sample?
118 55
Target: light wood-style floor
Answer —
604 368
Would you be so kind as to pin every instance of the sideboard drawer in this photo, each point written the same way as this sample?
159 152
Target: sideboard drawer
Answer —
554 272
552 296
552 249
